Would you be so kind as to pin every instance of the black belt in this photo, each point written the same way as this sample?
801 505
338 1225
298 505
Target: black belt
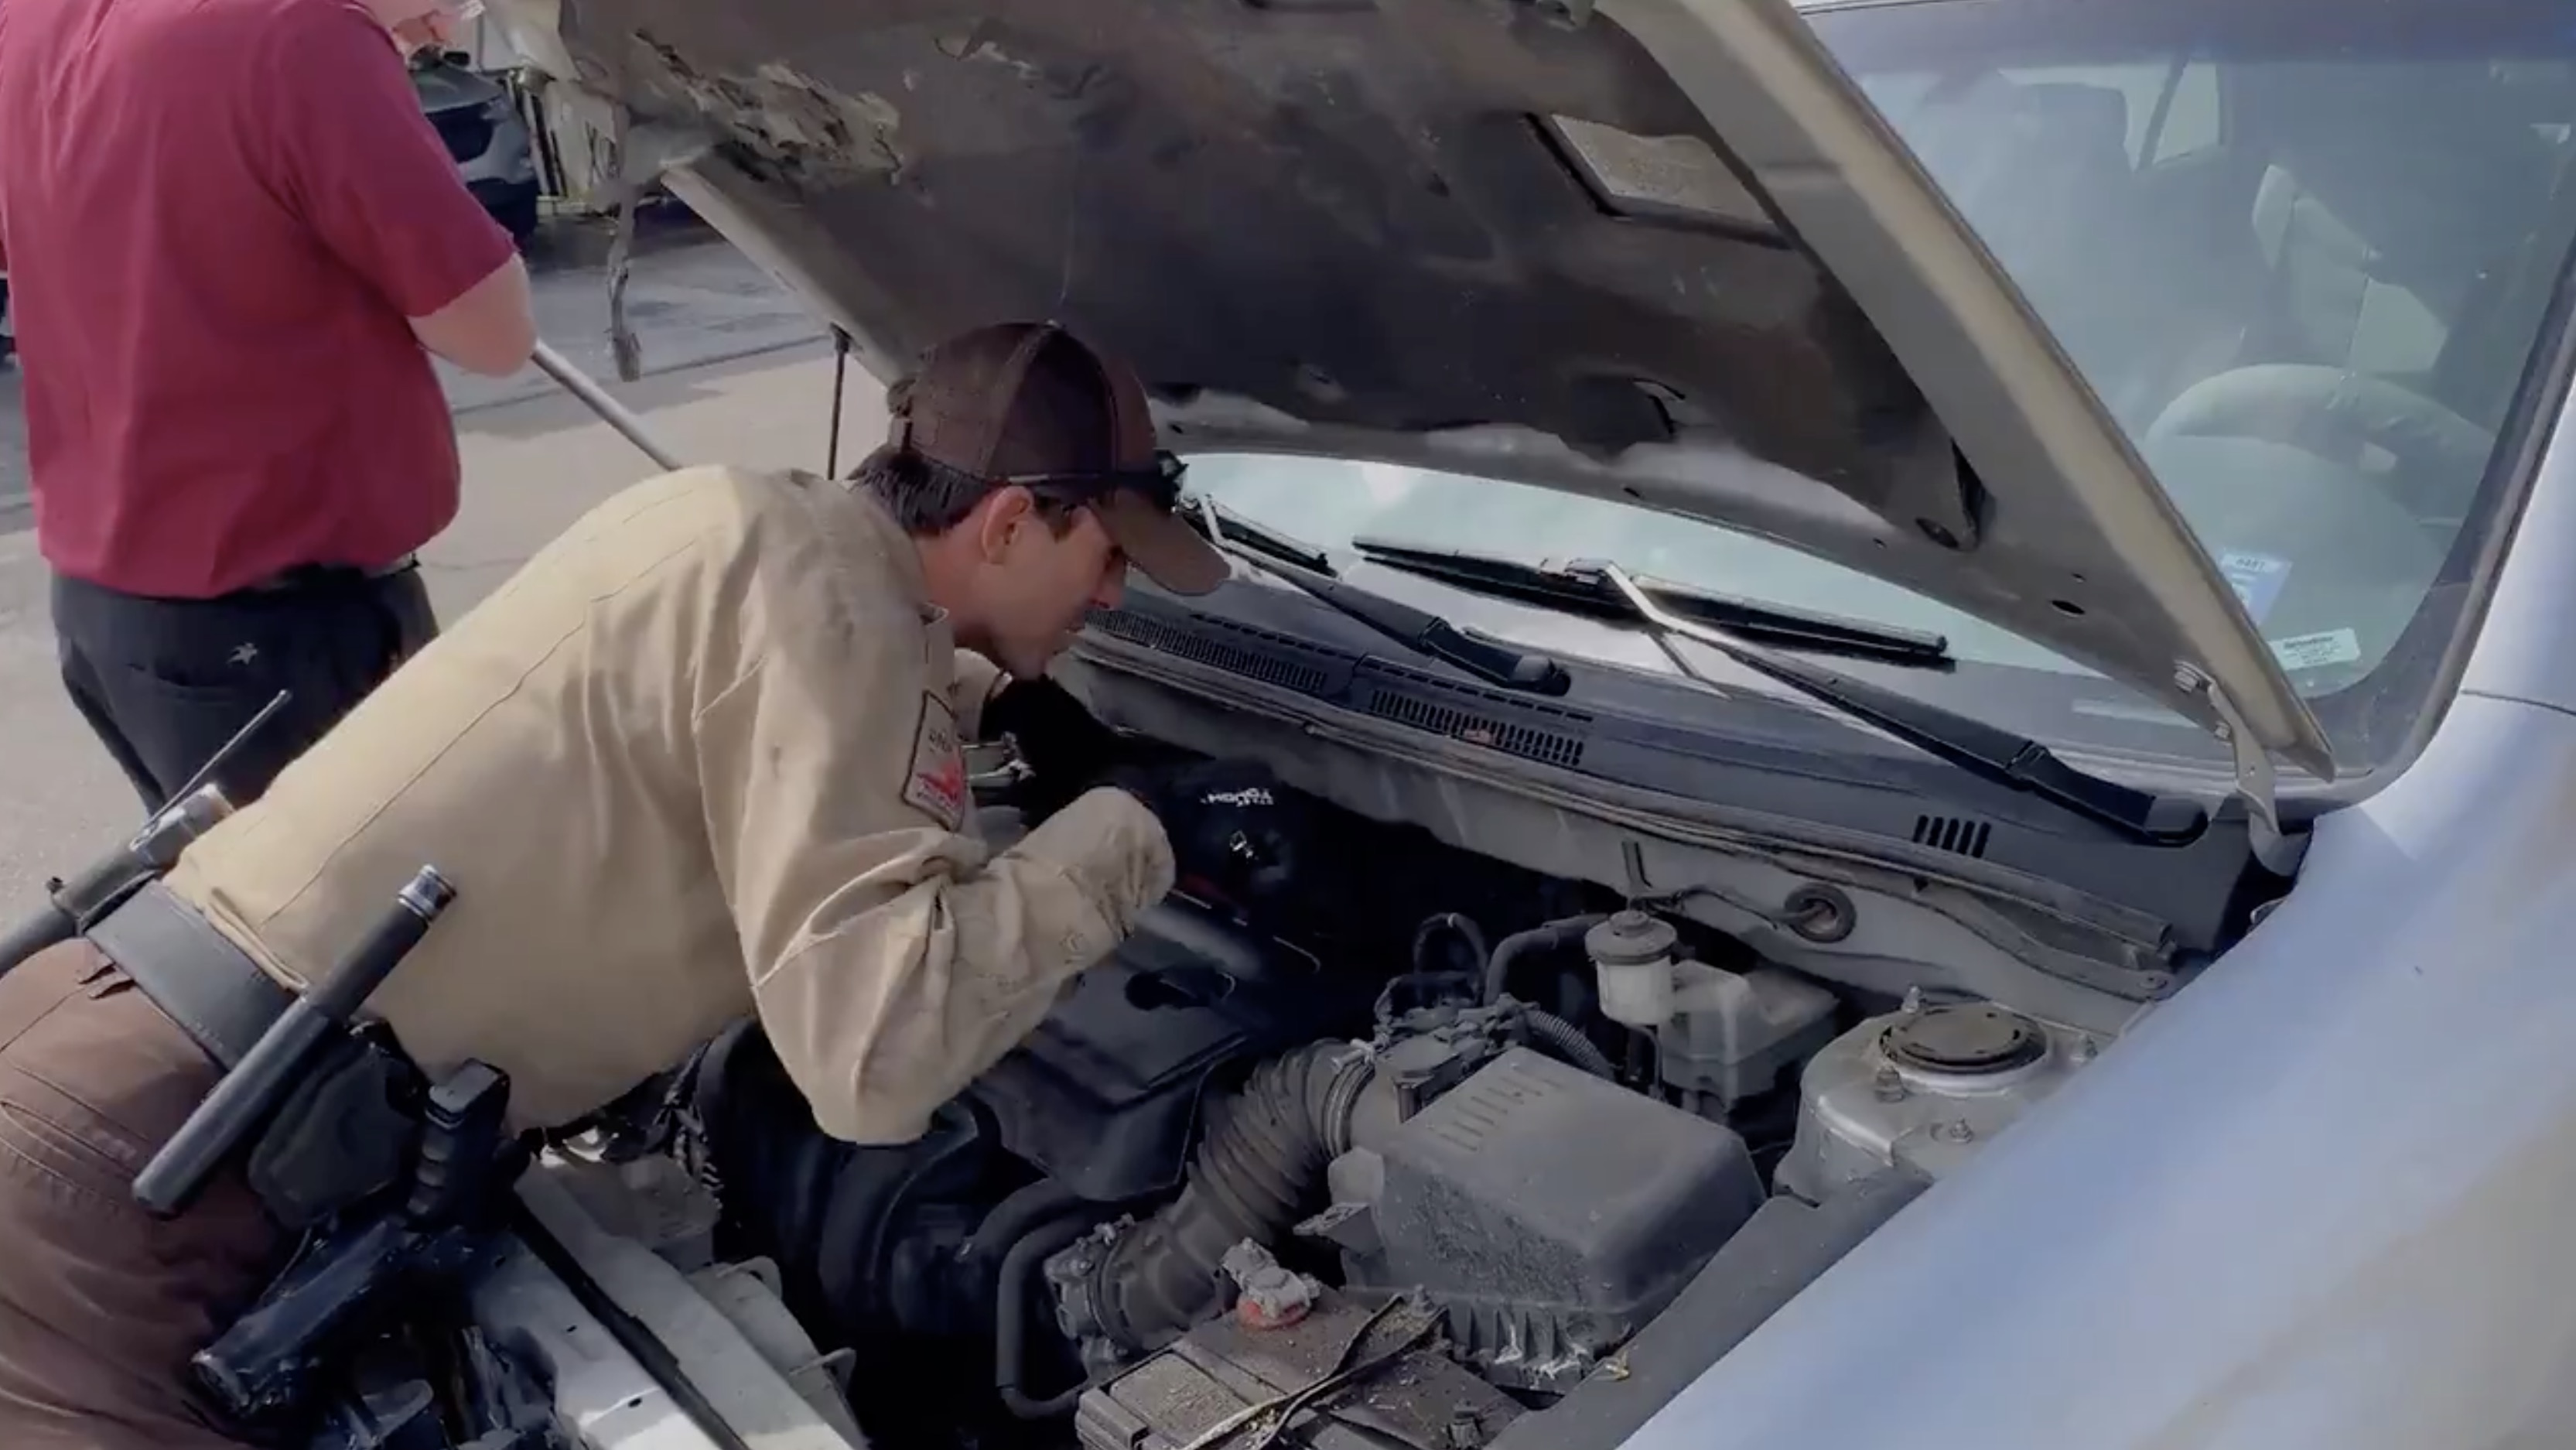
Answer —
325 576
191 971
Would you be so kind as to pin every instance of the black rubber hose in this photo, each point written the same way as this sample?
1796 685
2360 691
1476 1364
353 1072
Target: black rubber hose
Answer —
1011 1318
1255 1174
1462 927
1012 1218
48 928
1554 936
1569 1043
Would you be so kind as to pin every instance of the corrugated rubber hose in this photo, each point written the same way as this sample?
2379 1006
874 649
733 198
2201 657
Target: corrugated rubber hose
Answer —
1566 1042
1256 1174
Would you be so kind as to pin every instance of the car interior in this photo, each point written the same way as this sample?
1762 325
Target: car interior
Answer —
2282 217
2309 308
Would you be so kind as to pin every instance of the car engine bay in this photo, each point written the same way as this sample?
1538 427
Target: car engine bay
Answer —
1448 1155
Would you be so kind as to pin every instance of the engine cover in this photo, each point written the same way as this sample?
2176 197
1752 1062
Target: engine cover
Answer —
1550 1213
1103 1096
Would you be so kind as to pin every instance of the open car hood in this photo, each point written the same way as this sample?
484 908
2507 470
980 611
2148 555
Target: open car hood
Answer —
1654 249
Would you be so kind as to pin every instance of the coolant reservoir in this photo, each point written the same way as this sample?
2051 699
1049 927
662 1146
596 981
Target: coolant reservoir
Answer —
1632 960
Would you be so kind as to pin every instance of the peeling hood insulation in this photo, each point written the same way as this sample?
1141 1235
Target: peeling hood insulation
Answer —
1651 249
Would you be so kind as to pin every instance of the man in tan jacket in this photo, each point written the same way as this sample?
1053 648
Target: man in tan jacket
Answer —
699 759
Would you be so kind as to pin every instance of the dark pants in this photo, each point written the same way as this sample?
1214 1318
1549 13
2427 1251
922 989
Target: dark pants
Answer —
101 1304
165 682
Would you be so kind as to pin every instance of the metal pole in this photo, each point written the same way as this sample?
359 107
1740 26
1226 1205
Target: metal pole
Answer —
840 385
596 398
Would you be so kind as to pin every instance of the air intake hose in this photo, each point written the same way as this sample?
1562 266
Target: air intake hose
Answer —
1256 1173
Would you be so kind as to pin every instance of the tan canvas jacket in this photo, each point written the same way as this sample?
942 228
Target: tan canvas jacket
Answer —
701 756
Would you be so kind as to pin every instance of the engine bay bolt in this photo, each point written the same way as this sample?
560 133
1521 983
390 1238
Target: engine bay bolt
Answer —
1891 1088
2086 1049
1465 1431
1955 1131
1913 1000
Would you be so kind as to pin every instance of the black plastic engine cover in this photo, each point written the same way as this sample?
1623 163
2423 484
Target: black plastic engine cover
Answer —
1551 1214
1102 1098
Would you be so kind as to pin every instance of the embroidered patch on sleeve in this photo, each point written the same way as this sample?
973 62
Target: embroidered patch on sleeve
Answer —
935 779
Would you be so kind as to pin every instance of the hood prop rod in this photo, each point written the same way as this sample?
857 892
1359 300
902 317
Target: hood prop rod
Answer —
840 386
594 397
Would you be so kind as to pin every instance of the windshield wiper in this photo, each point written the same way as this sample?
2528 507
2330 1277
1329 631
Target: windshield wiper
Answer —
1580 588
1606 590
1308 568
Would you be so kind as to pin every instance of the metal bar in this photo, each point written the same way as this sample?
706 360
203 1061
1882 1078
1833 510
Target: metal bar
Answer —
840 384
594 397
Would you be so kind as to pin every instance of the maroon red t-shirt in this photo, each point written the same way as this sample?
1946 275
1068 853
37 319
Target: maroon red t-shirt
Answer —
216 217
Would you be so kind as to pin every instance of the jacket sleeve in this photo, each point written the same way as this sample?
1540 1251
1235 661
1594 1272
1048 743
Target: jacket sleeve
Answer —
892 957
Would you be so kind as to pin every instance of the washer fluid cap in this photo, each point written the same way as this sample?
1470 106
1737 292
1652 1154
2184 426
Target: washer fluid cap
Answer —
1966 1038
1630 939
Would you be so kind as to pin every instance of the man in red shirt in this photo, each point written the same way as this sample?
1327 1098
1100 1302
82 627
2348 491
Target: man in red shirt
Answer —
234 240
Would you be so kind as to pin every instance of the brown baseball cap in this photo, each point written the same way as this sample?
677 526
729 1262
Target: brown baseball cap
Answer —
1029 403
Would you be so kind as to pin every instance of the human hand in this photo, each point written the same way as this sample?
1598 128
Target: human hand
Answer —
1236 833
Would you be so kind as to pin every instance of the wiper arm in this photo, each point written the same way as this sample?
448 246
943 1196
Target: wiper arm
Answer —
1425 633
1581 587
1224 526
1971 744
1604 590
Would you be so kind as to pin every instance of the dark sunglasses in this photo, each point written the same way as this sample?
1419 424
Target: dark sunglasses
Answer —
1159 483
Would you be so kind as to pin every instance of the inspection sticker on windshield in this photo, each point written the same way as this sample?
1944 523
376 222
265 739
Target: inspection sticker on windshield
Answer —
2256 578
2316 651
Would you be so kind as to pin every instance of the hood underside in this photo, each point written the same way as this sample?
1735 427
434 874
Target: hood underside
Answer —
1656 250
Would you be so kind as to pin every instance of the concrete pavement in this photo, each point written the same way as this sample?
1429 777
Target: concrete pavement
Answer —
531 467
690 298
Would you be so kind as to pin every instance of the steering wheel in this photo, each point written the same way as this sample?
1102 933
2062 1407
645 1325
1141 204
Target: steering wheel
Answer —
2331 412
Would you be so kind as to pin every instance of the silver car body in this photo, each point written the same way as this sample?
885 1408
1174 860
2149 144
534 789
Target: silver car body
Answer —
2314 1197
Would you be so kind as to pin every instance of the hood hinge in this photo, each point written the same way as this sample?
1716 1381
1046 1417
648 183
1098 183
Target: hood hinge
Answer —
2256 780
642 152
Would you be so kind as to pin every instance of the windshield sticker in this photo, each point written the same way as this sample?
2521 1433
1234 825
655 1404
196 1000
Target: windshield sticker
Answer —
2316 651
2256 578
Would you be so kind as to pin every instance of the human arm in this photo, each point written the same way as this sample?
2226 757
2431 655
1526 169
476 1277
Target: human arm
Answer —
491 328
352 152
892 957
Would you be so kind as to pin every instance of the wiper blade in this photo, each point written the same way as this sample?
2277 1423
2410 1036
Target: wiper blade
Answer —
1604 590
1581 587
1224 526
1971 744
1425 633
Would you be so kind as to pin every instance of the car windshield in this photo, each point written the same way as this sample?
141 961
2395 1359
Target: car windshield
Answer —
2302 249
